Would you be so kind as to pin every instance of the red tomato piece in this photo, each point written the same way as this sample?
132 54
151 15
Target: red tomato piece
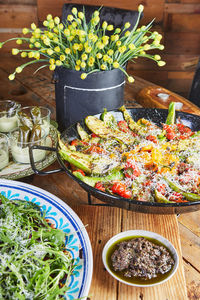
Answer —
120 189
100 186
152 138
80 171
177 197
96 149
74 143
161 188
131 169
123 126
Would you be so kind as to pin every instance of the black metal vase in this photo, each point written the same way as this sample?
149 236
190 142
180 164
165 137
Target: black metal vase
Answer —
77 98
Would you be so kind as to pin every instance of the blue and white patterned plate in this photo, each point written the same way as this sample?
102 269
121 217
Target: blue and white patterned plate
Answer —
63 217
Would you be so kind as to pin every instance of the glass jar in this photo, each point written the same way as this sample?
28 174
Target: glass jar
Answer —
20 150
41 117
4 154
8 115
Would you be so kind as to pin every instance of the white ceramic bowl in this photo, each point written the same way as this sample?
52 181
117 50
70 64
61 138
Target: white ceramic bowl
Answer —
140 233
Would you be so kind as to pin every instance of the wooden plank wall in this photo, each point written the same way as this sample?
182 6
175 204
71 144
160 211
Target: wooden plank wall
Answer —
177 20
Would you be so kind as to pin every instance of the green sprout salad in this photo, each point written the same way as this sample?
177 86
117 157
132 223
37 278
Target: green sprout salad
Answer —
34 263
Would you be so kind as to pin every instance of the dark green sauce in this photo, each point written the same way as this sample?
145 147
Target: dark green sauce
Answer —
136 280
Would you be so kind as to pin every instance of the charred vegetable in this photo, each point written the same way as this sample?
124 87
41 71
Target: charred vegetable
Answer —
26 120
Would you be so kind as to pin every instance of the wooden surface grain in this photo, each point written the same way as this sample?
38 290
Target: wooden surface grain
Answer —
38 90
102 224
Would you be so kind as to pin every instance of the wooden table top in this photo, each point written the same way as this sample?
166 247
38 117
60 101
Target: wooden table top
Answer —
29 89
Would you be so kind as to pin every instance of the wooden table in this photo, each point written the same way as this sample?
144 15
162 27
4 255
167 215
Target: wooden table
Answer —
38 90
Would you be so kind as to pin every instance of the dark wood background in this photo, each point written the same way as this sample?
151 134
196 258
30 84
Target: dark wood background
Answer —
177 20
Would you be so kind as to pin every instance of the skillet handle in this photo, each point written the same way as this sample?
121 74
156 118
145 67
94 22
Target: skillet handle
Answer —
36 171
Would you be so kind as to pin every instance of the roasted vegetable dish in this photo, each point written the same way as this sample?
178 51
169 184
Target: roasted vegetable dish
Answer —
34 262
137 159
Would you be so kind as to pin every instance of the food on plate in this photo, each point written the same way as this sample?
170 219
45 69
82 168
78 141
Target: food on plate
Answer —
140 258
137 159
8 115
34 261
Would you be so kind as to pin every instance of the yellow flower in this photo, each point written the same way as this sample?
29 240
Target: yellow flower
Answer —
15 51
104 25
67 32
50 35
90 64
122 49
95 20
49 17
161 63
114 38
127 25
110 52
118 43
18 70
142 52
84 56
117 30
46 23
90 36
156 43
57 49
147 47
140 8
100 45
52 67
70 18
74 24
19 42
131 79
110 60
37 55
105 57
25 30
103 67
11 77
83 76
31 46
46 41
127 33
105 39
91 59
52 61
81 15
33 26
78 62
74 11
88 49
161 47
77 68
50 51
99 55
76 46
55 39
58 63
67 51
60 26
37 45
62 57
157 57
70 38
96 13
115 65
80 48
110 27
24 54
56 30
57 20
51 24
31 54
32 40
131 47
83 65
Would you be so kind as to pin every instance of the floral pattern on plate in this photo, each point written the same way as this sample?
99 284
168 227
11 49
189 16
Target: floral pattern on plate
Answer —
63 217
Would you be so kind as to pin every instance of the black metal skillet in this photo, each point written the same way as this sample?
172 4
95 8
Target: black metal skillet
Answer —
158 116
